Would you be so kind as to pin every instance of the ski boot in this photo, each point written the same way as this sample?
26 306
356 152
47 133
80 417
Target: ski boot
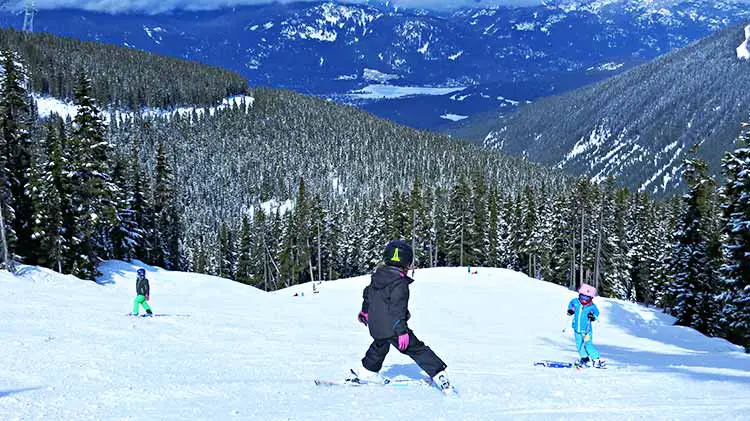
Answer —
363 375
149 313
441 382
583 362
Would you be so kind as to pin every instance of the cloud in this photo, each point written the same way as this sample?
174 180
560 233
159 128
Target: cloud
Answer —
161 6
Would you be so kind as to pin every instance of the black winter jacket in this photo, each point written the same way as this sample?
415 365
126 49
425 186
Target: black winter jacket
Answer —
386 301
142 287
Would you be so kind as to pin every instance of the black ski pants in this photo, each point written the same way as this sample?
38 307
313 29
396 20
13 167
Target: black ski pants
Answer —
417 350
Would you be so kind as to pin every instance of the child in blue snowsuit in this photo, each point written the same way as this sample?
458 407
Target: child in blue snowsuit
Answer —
584 313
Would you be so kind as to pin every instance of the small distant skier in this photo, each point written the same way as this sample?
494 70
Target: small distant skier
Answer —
584 312
385 312
142 290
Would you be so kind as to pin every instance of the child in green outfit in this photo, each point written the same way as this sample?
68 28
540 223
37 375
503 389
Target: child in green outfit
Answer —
142 289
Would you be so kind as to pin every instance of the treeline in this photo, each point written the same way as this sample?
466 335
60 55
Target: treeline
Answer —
121 77
688 256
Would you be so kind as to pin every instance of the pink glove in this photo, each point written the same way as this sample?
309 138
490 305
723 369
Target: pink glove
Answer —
362 317
147 298
403 341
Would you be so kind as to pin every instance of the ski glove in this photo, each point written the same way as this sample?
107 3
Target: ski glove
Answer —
148 298
362 317
591 317
571 312
403 341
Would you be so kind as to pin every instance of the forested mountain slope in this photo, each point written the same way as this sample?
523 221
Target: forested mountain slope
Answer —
121 77
639 125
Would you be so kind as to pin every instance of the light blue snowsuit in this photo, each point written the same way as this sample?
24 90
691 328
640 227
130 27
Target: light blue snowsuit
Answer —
582 328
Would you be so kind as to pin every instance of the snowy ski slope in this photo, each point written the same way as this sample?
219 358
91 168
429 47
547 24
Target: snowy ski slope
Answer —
230 352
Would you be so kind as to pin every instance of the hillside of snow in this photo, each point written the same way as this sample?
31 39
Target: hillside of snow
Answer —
222 350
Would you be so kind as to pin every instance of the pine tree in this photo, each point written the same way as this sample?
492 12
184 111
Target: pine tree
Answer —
46 189
530 250
694 271
617 275
166 235
244 272
479 206
126 234
562 232
15 132
735 271
91 195
143 213
226 252
459 226
493 230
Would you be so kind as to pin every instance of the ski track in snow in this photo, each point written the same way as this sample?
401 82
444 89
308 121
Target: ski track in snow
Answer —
69 352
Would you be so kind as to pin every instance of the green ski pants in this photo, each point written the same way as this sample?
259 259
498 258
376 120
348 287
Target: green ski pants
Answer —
140 301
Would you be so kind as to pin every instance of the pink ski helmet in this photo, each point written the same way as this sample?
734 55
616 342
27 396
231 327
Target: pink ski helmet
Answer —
587 289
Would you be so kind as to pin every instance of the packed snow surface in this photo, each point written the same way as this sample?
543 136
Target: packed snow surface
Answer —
225 351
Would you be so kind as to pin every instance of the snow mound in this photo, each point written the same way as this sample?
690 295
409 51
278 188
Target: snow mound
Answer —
221 350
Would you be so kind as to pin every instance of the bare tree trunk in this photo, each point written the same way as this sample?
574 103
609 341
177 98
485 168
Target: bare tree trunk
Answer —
461 260
6 261
309 264
320 266
597 263
265 271
572 259
434 237
414 236
531 266
583 222
278 271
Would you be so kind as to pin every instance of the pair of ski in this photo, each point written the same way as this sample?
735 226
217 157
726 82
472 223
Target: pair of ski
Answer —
564 364
398 383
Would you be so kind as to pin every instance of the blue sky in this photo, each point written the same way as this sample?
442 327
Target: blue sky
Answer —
156 6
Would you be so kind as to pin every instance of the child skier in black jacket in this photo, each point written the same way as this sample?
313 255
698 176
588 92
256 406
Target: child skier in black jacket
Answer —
142 290
385 312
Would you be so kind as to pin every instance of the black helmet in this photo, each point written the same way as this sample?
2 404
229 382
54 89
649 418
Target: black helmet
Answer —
398 253
141 272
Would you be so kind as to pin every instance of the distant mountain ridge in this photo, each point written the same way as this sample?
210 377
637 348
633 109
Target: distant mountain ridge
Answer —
639 125
499 57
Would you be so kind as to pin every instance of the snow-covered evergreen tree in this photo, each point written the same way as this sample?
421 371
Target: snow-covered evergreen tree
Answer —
735 271
126 234
459 225
167 231
225 252
92 189
141 205
617 274
16 118
243 272
694 271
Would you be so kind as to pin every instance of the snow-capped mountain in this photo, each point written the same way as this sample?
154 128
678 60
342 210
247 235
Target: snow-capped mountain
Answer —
332 49
220 350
